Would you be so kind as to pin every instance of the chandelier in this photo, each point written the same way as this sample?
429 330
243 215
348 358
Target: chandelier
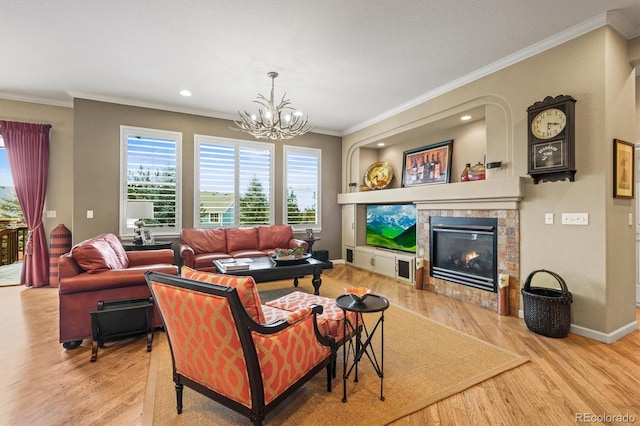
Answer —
273 122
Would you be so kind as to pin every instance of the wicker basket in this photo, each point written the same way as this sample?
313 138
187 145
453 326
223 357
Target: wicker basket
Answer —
547 311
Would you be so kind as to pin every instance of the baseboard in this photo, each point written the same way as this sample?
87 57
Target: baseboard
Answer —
605 337
598 335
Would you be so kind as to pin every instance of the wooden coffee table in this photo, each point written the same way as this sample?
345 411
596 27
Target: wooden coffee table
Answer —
264 269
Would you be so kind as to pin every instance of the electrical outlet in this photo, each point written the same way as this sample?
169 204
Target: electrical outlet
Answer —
575 218
548 218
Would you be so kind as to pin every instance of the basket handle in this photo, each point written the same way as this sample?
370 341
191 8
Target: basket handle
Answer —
563 285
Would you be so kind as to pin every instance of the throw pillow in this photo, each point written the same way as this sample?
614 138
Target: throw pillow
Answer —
116 245
95 255
246 287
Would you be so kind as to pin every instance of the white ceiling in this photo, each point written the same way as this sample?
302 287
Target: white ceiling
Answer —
345 64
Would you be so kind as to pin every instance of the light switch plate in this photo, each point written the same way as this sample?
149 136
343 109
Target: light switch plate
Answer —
575 218
548 218
51 213
89 214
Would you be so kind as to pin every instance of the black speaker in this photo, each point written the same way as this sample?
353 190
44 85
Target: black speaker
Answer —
404 269
321 255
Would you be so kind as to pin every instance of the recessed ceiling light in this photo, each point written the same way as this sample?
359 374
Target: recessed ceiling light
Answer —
185 92
465 117
380 143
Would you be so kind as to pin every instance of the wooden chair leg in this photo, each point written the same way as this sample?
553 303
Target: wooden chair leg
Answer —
179 388
94 351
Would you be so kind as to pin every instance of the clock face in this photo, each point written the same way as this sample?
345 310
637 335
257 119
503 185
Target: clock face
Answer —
549 123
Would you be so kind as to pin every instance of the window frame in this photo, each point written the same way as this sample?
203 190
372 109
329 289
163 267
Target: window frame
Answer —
286 150
125 132
199 140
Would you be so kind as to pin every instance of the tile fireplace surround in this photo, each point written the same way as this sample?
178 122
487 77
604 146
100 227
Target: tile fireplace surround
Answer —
497 198
508 257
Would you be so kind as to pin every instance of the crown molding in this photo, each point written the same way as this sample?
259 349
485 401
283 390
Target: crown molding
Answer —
619 22
130 102
546 44
151 105
35 99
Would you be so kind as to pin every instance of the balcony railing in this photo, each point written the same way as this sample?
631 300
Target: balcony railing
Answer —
12 244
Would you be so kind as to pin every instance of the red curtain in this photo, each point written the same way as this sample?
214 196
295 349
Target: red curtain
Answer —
27 148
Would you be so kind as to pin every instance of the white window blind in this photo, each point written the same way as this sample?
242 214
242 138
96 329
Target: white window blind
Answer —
150 172
302 184
233 182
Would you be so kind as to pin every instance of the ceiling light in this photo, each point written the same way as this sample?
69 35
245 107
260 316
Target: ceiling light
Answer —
380 143
465 117
273 122
185 92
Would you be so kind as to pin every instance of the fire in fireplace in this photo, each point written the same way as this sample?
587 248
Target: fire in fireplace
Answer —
464 250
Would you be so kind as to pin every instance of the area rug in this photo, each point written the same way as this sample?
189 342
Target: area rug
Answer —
424 362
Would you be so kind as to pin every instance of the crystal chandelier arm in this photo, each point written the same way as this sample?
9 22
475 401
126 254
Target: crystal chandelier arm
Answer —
270 123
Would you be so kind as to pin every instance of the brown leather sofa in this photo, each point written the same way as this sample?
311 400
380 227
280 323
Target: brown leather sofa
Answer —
99 269
199 247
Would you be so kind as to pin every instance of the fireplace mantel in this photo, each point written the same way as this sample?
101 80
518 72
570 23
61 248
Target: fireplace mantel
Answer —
485 194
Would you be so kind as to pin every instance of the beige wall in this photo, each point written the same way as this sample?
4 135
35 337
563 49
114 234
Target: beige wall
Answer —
97 165
60 183
595 70
596 261
84 163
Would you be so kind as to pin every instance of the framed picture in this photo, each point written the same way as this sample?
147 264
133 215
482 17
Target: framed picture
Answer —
427 165
147 238
309 232
623 169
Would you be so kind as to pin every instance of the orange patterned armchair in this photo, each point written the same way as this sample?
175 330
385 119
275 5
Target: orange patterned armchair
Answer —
221 347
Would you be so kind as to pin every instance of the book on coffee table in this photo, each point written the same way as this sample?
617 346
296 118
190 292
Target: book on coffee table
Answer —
233 266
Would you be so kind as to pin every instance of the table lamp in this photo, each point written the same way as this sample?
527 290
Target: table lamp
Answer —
139 210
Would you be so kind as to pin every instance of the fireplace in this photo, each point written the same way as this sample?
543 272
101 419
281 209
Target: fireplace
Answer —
464 250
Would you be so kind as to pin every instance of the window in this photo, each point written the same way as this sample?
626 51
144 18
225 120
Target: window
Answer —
5 173
9 206
302 186
150 171
233 182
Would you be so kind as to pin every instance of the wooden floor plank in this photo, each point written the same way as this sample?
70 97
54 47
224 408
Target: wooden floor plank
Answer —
43 384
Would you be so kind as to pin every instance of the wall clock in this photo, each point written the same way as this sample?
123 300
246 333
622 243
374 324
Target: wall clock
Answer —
551 139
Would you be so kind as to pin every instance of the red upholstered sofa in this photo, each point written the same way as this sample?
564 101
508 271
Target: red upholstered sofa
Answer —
99 269
199 247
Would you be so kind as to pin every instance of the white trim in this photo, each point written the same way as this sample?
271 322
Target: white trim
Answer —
534 49
286 149
607 338
621 23
199 140
35 99
125 131
170 108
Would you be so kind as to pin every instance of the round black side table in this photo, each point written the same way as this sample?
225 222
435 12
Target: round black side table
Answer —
354 331
310 242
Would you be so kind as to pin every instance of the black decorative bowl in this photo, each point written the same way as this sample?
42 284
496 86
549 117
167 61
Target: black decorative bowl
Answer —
290 260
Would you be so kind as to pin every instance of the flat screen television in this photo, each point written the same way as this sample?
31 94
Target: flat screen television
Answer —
392 226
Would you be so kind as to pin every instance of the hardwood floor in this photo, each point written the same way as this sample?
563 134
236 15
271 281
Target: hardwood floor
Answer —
42 384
